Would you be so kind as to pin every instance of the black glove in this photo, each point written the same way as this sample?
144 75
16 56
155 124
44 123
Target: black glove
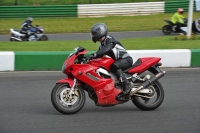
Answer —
91 56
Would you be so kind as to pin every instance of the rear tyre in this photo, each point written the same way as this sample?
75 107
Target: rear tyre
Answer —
43 38
12 39
167 29
150 103
65 103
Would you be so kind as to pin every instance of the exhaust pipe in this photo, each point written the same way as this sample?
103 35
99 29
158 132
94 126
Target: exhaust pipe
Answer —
148 82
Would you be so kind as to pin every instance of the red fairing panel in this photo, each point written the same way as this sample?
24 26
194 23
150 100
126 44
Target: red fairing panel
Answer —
104 88
102 62
70 62
146 63
107 95
66 80
87 74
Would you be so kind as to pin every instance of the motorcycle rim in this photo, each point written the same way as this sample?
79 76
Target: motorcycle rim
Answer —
65 103
150 103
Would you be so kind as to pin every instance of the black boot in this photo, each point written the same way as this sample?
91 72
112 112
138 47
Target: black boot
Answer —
124 81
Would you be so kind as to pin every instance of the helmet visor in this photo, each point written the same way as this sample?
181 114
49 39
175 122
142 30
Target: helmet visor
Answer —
92 34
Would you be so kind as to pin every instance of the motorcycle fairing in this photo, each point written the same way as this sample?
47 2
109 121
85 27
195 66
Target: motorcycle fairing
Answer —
70 61
107 95
67 80
86 73
104 62
104 87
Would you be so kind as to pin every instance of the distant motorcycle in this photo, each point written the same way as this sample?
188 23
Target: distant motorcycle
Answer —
171 28
37 36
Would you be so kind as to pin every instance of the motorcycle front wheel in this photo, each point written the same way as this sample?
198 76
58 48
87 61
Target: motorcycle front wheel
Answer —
67 103
167 29
43 38
157 94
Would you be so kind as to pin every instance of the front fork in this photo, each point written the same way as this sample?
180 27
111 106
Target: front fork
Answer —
72 88
71 82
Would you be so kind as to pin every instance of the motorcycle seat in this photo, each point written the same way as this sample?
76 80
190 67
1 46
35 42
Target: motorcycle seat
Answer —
16 32
137 63
169 22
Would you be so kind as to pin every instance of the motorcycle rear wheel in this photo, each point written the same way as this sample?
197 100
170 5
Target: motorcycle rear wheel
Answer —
65 104
43 38
167 29
12 39
145 103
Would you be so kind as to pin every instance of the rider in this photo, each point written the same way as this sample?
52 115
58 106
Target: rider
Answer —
178 20
196 26
111 47
26 25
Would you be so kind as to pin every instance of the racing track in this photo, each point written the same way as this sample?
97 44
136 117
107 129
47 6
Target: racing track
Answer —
25 107
86 36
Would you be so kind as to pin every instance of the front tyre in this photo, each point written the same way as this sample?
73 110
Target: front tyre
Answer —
43 38
150 103
67 103
167 29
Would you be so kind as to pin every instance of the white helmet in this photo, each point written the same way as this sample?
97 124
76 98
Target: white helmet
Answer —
29 19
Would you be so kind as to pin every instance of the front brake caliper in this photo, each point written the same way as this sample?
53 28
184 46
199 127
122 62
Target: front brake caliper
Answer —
76 92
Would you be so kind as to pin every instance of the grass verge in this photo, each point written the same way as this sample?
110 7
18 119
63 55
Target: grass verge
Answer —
167 42
78 25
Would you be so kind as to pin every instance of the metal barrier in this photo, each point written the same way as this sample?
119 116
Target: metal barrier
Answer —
38 11
120 9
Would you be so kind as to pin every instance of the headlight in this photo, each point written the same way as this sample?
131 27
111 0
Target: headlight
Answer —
64 67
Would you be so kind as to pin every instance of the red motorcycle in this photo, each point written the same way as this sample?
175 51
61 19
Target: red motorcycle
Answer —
102 86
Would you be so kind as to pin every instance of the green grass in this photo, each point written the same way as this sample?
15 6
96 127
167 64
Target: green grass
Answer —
166 42
75 25
60 2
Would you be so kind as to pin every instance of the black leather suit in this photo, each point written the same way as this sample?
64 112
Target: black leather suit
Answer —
113 48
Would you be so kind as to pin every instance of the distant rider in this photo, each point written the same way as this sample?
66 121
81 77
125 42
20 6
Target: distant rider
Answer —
25 27
111 47
178 20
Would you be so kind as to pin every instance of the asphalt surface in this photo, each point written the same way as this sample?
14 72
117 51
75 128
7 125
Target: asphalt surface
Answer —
25 107
86 36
